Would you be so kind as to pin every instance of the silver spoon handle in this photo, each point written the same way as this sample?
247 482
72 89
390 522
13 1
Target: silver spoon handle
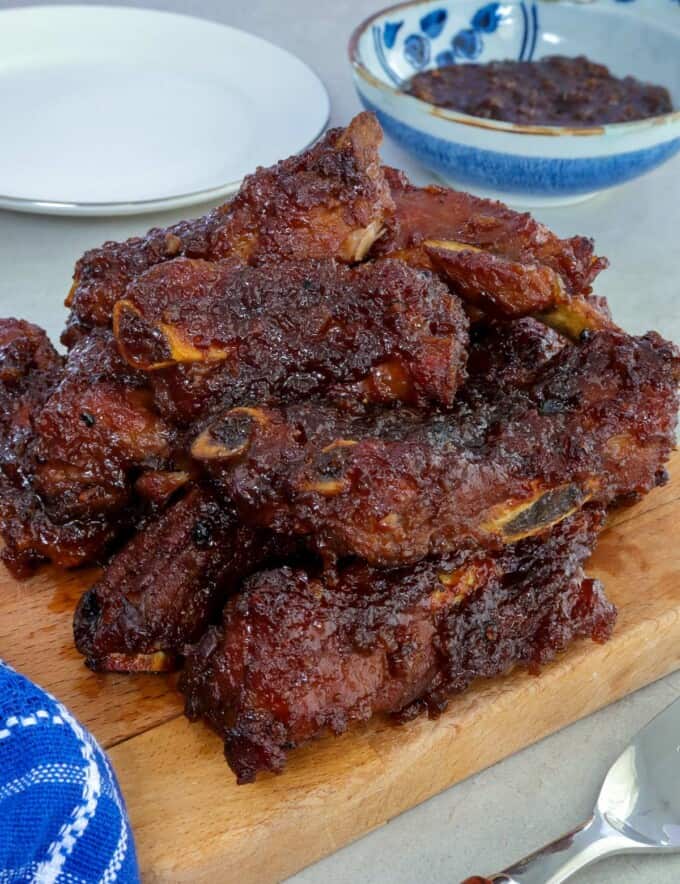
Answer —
563 858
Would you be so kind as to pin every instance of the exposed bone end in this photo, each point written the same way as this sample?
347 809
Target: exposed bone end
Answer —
148 346
139 342
572 317
157 661
513 520
329 469
173 245
357 244
230 436
207 447
257 414
72 292
458 584
450 245
326 487
182 350
340 443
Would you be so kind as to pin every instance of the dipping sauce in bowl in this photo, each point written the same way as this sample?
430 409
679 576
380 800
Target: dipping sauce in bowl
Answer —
554 91
510 121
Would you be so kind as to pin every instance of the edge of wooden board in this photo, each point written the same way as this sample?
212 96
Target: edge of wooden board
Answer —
36 638
192 823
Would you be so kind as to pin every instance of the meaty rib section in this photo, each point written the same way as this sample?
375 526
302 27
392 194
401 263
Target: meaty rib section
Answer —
596 422
97 427
440 213
501 261
507 356
299 654
30 369
328 202
162 589
209 333
102 274
90 438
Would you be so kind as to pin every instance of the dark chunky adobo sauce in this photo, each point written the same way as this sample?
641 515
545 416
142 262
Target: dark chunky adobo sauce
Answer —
553 91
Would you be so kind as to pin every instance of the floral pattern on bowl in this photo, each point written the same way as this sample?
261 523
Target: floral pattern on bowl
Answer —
445 40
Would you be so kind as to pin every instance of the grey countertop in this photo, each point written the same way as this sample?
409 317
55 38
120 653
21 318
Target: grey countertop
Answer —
504 812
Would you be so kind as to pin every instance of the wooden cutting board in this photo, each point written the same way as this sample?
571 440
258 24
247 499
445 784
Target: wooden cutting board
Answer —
193 824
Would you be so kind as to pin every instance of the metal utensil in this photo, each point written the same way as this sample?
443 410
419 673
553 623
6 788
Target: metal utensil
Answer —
638 811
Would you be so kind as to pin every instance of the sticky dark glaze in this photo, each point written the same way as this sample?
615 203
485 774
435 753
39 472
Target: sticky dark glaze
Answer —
499 261
30 369
209 333
553 91
164 587
71 487
439 213
393 487
317 204
300 653
286 373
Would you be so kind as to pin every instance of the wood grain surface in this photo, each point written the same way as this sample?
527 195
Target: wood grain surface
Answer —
193 824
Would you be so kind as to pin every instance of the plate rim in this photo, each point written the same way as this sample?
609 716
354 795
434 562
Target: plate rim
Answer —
75 208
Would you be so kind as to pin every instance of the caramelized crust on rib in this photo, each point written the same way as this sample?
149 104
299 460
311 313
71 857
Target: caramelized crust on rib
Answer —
507 356
162 589
439 213
30 369
102 275
596 422
329 202
209 333
96 428
498 260
300 654
89 436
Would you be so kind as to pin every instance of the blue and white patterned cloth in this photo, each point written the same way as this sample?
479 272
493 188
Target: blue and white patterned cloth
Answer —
62 817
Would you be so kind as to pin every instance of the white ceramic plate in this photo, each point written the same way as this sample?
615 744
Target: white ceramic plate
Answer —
111 110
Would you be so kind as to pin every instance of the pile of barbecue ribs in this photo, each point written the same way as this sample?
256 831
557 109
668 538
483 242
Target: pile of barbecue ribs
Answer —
343 445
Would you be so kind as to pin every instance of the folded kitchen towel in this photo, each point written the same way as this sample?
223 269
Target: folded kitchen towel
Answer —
62 817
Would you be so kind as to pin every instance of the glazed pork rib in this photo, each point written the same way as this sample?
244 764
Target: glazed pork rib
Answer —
299 654
195 334
366 389
30 369
328 202
91 436
162 589
209 333
96 428
500 261
159 592
596 422
335 200
440 213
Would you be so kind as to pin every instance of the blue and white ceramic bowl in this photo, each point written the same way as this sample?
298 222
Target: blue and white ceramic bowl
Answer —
531 165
